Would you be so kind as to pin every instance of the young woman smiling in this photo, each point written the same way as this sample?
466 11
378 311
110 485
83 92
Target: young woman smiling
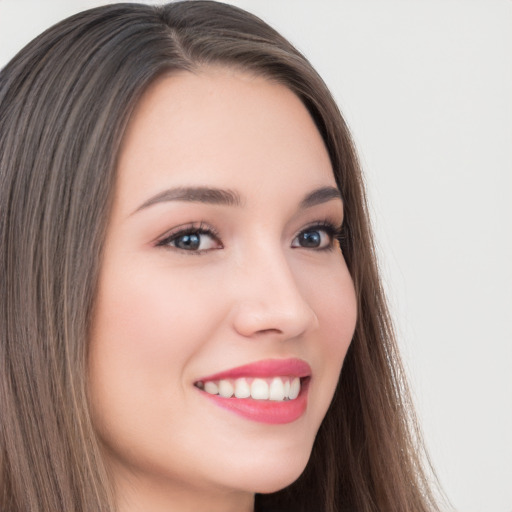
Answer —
192 318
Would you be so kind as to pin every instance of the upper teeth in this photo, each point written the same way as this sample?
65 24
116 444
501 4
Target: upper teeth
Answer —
276 388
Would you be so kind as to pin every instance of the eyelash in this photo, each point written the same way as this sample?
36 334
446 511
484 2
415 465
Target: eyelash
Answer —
191 229
333 231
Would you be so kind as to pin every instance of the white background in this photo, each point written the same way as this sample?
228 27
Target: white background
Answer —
426 87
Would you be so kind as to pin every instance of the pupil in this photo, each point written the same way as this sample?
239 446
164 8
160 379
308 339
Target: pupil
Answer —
311 239
190 242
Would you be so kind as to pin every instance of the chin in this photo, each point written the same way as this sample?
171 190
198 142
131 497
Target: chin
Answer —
268 474
277 484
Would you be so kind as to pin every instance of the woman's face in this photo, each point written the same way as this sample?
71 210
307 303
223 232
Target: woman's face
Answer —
221 273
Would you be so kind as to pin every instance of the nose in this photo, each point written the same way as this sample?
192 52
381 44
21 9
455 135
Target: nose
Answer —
268 300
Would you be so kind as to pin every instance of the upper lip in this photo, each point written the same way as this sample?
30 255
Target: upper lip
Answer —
265 368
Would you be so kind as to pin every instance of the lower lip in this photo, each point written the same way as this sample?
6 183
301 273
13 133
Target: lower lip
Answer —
265 411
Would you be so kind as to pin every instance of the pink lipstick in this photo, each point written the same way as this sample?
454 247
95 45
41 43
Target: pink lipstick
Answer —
271 391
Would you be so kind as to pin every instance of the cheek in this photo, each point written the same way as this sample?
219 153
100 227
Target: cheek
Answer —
338 315
133 324
144 332
149 318
336 311
340 310
331 293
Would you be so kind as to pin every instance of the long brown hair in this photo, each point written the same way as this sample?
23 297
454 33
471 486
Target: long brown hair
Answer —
65 101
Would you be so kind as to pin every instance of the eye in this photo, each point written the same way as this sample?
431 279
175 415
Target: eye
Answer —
192 239
318 236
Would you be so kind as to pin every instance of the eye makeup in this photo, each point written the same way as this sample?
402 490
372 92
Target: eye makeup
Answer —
192 238
200 237
309 238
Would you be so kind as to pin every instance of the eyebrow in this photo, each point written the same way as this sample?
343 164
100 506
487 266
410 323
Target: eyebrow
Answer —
228 197
320 196
195 195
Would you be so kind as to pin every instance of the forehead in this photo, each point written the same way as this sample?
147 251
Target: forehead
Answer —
222 128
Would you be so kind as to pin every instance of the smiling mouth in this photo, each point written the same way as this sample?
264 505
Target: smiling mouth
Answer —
272 391
277 389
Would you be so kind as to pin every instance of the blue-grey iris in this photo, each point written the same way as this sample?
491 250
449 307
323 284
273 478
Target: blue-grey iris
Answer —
310 239
189 242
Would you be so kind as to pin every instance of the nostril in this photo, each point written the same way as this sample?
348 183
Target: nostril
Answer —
269 331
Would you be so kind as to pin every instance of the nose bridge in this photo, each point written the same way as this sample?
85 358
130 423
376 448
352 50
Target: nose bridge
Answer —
269 298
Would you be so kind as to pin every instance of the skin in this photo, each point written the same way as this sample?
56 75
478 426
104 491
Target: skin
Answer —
166 316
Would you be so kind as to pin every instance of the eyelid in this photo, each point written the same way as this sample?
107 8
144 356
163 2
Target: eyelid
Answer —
322 223
334 230
184 229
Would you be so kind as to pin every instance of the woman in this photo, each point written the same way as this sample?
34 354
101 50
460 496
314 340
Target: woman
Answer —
186 267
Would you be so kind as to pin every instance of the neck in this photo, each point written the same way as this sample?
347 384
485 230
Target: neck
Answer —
137 495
